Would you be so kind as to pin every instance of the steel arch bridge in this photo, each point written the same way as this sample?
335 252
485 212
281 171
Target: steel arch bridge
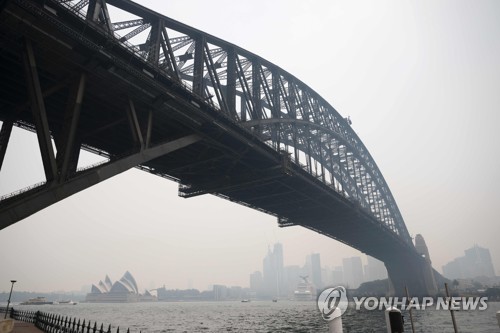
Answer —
153 93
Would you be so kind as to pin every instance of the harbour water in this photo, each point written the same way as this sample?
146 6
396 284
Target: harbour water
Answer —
260 316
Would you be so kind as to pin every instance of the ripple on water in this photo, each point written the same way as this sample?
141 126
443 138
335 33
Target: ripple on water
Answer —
261 316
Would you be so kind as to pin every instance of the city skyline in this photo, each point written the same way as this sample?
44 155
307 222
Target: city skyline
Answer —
142 285
362 269
476 262
417 79
277 280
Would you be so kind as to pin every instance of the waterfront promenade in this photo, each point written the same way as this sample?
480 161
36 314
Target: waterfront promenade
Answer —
18 327
38 322
22 327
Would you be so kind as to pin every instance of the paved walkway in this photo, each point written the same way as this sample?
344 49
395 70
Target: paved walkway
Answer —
22 327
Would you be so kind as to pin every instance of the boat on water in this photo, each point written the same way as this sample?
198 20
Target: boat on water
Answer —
275 300
305 290
67 302
36 301
245 300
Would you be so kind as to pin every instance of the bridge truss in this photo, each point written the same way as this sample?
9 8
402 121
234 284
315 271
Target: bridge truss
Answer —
260 98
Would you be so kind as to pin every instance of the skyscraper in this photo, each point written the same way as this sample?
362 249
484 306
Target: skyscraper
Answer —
353 272
274 279
338 276
453 269
280 272
316 271
479 262
292 278
256 282
476 262
375 269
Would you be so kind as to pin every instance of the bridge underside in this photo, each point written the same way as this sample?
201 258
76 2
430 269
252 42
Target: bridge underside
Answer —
84 96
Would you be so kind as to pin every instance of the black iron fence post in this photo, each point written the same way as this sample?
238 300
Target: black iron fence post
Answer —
53 323
36 319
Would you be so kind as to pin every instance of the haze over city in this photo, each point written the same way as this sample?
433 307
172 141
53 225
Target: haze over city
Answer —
419 81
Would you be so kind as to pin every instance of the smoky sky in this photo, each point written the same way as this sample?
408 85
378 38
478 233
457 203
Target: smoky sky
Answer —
419 79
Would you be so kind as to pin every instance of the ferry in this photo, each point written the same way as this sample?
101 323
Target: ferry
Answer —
36 301
305 290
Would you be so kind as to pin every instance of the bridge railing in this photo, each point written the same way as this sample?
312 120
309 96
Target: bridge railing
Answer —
53 323
82 14
21 191
133 49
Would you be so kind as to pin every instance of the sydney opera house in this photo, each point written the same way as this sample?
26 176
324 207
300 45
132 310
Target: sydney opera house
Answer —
122 291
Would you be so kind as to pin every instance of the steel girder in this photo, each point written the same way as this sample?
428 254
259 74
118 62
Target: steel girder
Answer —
270 102
59 121
46 194
266 100
269 142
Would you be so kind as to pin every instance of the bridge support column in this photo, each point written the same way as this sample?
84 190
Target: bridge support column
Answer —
39 113
429 278
409 270
68 147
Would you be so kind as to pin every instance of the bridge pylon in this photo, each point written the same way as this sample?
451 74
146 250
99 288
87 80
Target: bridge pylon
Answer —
412 271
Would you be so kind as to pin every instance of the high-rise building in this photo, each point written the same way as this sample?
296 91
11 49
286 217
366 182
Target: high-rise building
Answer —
453 269
313 265
220 292
375 269
353 272
475 263
479 261
268 275
280 273
292 279
338 276
256 282
326 277
273 277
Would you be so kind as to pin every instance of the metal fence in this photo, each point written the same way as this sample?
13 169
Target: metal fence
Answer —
53 323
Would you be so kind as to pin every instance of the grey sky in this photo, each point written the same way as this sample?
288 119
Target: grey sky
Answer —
420 81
